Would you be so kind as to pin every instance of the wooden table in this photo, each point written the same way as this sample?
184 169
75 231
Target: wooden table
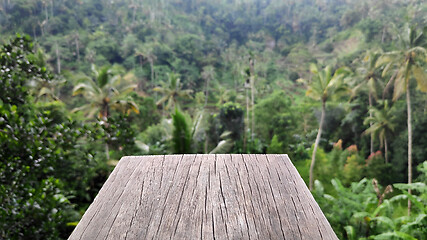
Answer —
230 196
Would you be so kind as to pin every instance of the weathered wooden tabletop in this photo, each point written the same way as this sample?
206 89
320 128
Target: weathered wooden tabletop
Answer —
204 197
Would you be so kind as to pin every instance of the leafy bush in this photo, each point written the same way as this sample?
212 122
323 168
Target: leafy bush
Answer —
33 148
181 136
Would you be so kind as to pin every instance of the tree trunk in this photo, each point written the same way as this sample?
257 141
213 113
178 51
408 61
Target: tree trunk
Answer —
76 39
133 15
385 150
383 35
316 144
370 124
252 70
247 120
41 28
207 91
152 72
51 8
58 59
105 112
408 102
34 33
206 143
107 151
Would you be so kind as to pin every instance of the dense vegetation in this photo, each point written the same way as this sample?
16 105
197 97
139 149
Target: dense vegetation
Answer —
339 85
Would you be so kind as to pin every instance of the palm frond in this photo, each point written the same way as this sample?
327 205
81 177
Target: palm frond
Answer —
223 146
421 78
399 85
162 100
128 88
386 58
86 88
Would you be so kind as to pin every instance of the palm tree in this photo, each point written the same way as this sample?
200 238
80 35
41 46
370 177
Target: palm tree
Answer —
405 64
322 87
146 51
105 92
381 124
371 80
208 74
171 91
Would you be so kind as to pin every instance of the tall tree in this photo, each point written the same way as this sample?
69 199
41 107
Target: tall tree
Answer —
323 87
252 82
407 63
371 80
208 75
172 91
146 52
103 92
381 123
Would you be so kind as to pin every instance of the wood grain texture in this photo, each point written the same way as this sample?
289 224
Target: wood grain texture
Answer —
224 196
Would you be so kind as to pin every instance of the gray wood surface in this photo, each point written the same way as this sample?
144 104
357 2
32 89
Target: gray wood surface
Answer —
231 196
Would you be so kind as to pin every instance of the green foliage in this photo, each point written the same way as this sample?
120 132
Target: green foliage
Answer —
172 91
276 110
181 136
275 146
34 147
376 167
148 114
353 168
105 92
141 44
231 119
156 138
340 205
362 212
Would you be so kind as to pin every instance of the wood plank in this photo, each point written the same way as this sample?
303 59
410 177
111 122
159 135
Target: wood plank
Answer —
283 202
225 196
310 205
314 222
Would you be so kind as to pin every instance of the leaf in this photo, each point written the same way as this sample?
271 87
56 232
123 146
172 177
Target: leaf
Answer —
128 89
389 235
223 146
363 215
44 91
399 85
383 60
372 88
72 224
418 186
417 221
225 134
404 236
158 89
416 201
318 187
386 221
329 197
199 124
313 68
85 89
162 100
142 146
351 233
384 205
113 163
386 69
421 77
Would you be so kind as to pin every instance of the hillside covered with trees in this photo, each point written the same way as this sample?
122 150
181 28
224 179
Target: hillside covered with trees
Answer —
339 85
